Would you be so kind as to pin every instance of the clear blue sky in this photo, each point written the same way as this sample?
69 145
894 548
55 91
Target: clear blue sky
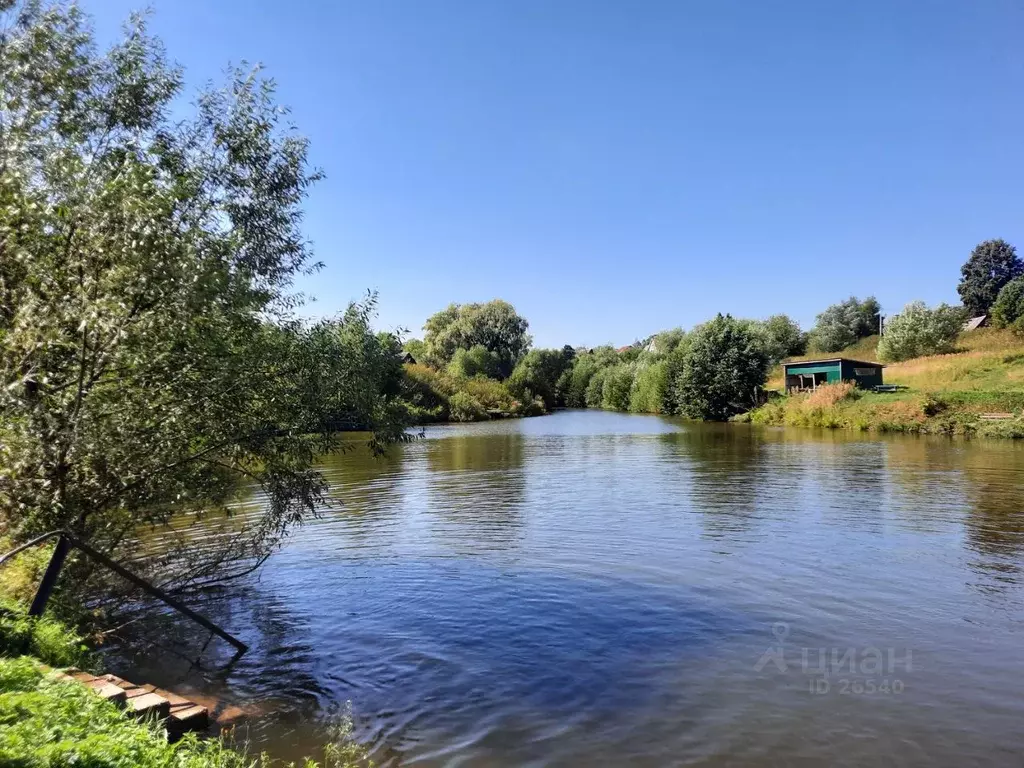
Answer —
616 168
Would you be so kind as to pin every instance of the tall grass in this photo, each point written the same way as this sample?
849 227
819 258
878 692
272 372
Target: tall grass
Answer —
45 638
828 395
945 393
46 723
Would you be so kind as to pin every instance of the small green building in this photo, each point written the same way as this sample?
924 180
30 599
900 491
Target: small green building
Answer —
808 374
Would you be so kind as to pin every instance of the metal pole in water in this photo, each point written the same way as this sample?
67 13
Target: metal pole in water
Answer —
60 553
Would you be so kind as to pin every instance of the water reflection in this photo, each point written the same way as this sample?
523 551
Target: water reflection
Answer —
995 522
595 589
724 468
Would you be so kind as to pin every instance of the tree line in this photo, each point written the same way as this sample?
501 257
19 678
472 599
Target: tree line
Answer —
714 371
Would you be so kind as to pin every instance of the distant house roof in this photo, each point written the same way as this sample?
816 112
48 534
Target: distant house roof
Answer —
407 357
976 322
832 360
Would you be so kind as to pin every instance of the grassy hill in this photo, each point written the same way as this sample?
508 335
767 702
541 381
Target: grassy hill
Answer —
952 394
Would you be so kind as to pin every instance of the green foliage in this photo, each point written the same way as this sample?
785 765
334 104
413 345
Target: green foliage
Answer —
462 406
426 392
616 385
46 723
492 395
475 361
540 374
431 396
675 362
782 338
843 324
585 366
723 370
20 576
45 638
647 394
631 353
919 331
494 326
992 264
594 397
666 341
416 348
1009 305
149 358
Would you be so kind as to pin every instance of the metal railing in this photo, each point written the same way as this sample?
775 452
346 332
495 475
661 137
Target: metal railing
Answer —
65 541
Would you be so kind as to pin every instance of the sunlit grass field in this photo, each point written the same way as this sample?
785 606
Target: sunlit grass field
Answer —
945 393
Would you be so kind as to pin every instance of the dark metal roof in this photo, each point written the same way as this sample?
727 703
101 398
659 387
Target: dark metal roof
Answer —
833 360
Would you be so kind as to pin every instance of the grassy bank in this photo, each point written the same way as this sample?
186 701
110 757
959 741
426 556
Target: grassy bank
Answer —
946 394
49 723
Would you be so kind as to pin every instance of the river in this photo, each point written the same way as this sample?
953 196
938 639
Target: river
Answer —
592 589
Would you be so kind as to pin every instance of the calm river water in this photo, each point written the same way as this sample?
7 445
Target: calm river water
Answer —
592 589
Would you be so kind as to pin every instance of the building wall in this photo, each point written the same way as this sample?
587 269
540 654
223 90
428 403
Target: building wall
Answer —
833 370
844 370
864 380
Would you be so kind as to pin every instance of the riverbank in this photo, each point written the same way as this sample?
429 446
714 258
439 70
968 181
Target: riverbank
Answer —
48 721
977 390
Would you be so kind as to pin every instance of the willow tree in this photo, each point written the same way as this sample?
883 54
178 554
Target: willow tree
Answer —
149 355
494 326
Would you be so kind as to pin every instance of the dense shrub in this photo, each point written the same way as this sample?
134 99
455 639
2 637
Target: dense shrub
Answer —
433 395
426 392
666 341
782 338
492 395
585 366
1008 311
723 371
577 379
540 374
475 361
648 391
919 331
462 406
594 397
45 638
618 381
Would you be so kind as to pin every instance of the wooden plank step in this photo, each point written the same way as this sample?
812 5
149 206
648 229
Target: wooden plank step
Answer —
79 675
149 705
108 691
180 715
118 681
185 719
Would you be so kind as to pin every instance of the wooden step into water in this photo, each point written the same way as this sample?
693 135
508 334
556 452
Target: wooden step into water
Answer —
179 714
